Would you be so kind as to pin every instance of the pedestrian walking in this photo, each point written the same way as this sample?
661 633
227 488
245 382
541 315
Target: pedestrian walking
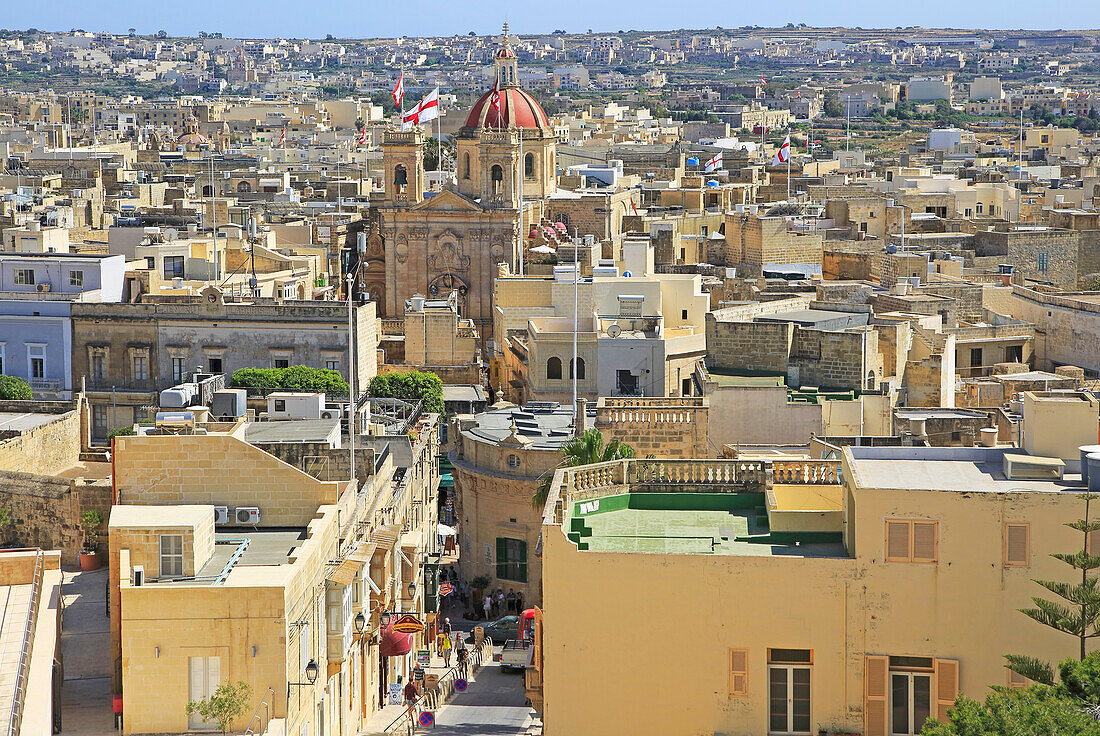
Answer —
487 606
446 647
500 600
510 599
411 696
446 626
463 656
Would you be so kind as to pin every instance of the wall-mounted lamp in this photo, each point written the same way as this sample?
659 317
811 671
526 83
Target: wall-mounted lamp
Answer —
359 622
412 590
311 671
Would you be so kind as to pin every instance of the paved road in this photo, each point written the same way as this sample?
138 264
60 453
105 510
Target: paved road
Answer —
493 706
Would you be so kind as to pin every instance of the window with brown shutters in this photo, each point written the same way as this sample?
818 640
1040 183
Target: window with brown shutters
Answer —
1017 544
912 540
947 687
875 674
739 673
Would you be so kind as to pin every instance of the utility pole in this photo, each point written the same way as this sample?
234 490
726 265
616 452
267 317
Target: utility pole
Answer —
353 414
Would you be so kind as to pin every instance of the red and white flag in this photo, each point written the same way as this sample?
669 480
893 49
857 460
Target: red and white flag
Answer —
762 80
784 154
427 109
282 137
715 163
494 99
399 90
363 136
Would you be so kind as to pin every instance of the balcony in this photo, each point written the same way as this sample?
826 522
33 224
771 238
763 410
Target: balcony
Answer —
120 385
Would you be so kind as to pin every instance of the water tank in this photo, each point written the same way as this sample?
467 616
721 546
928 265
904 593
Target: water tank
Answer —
1085 451
1093 462
416 303
988 436
178 397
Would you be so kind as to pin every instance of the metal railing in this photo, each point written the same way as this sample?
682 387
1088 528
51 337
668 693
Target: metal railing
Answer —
266 706
437 696
19 693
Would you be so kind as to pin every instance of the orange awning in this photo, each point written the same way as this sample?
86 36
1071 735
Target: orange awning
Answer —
394 644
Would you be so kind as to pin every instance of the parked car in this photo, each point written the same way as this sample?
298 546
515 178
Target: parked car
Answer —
501 630
513 656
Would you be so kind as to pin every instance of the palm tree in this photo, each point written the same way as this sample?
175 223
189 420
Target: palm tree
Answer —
587 449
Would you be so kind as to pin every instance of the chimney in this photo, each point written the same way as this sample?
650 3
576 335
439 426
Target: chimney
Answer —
579 424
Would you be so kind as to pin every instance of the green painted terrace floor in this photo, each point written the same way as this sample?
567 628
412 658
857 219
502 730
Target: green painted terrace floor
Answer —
694 532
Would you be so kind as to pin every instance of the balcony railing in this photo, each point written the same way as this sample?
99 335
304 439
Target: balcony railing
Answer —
120 384
807 472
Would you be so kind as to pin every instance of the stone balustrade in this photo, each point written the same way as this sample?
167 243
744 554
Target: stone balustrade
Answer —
807 472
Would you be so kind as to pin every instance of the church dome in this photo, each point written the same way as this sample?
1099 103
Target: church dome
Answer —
517 109
506 52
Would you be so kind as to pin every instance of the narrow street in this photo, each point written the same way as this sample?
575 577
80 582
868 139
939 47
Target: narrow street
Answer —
493 706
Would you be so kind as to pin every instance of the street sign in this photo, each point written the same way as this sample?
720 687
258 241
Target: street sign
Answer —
407 624
446 589
395 693
424 657
426 718
460 685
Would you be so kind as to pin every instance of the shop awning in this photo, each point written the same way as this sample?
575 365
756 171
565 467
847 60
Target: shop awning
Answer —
386 536
394 644
446 481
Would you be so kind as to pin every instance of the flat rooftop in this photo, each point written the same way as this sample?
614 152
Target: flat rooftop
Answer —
265 547
735 378
825 318
729 533
294 430
957 469
546 429
12 422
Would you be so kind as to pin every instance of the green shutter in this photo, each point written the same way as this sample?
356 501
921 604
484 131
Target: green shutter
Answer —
502 558
522 561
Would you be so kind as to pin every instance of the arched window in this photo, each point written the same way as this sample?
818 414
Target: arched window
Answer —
207 190
244 186
553 368
529 166
400 178
466 165
580 369
497 175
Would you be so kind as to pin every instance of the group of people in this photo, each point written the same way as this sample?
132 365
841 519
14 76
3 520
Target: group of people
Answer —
495 604
448 641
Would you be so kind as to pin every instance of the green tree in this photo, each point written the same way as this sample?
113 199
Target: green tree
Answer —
227 703
13 388
294 378
1079 615
90 521
832 107
587 449
1033 711
412 387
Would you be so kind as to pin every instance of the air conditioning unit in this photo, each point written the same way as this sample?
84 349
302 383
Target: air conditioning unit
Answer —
331 414
248 515
41 288
221 515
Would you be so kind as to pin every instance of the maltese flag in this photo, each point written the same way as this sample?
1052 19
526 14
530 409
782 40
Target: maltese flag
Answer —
715 163
399 90
784 154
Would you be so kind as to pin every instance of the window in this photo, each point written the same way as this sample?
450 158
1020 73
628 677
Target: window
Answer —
968 212
76 279
1017 544
529 166
332 365
553 368
280 405
497 176
140 368
683 314
36 361
24 276
978 207
99 421
178 371
512 559
282 362
863 227
789 691
704 230
171 555
173 267
580 369
912 541
150 262
1042 262
1016 681
513 461
1014 354
99 366
739 673
214 365
466 165
975 357
910 702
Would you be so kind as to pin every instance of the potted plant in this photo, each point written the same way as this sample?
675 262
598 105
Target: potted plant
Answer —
89 555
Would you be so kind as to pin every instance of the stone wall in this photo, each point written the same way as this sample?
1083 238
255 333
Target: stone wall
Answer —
1046 256
1067 328
45 449
45 511
836 359
968 299
755 346
664 428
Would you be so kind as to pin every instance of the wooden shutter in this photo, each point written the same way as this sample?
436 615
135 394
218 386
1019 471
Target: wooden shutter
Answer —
1016 680
876 672
925 543
739 672
897 541
523 561
1017 551
502 558
947 686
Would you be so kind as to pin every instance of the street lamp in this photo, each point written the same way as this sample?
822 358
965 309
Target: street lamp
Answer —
412 590
311 671
359 622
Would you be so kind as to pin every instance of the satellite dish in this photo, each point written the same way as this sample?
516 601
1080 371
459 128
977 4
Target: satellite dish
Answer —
614 331
627 274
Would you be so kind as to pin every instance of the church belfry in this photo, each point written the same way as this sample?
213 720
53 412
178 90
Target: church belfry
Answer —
403 161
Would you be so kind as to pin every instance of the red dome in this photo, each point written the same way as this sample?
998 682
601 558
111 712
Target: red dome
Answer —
506 52
517 108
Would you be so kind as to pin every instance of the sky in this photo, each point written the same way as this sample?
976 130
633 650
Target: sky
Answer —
387 18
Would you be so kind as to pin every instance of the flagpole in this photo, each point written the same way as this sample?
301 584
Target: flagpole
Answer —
439 141
522 173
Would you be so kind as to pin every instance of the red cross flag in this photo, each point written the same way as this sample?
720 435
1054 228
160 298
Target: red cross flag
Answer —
282 136
427 109
715 163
